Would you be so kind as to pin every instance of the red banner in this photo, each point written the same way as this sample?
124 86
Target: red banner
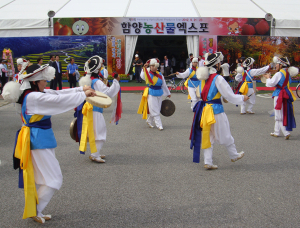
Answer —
207 44
116 54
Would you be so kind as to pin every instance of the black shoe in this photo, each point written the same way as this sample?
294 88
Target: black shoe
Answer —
136 82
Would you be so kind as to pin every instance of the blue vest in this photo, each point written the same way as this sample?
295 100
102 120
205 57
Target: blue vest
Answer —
280 83
39 138
96 109
155 90
249 79
213 90
193 82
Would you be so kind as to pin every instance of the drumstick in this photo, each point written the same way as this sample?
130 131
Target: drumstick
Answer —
170 75
250 94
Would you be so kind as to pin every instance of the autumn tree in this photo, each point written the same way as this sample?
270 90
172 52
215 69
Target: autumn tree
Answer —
231 46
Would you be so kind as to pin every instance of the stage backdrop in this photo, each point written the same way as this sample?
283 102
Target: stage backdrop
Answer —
160 26
261 48
79 47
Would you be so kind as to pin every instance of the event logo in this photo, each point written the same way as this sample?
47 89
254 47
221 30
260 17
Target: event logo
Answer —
80 27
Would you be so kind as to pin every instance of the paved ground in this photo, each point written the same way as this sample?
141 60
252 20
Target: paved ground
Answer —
149 179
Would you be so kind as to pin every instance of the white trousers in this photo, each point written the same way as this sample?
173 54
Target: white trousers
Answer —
194 98
250 102
279 120
46 168
220 133
45 194
99 145
47 175
208 153
154 105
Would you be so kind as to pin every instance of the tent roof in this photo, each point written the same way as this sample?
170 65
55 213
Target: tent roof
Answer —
181 8
29 9
37 9
17 17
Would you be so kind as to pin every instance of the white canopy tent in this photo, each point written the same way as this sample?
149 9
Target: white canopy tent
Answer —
20 18
29 17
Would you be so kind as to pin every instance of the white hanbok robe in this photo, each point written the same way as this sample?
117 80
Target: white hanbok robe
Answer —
251 74
192 90
46 167
272 82
154 102
220 131
98 119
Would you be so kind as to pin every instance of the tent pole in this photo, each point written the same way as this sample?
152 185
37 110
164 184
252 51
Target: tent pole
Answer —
258 6
127 8
195 8
7 4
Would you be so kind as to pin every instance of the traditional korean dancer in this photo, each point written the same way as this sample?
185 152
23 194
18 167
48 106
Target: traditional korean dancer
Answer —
210 124
283 96
92 67
152 96
192 81
34 154
245 77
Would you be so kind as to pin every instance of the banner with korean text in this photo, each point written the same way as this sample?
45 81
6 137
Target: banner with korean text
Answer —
161 26
116 54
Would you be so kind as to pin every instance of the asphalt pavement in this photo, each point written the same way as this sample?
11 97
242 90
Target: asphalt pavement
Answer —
149 179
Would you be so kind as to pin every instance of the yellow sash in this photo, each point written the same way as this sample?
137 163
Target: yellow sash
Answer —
189 77
187 81
22 152
143 108
87 128
154 79
244 87
207 119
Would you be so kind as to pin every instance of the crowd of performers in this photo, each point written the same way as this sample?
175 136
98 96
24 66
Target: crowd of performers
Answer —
34 153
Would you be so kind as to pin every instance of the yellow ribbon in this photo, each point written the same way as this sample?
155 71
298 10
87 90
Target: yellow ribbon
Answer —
207 119
244 88
87 128
23 153
189 77
186 83
143 108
